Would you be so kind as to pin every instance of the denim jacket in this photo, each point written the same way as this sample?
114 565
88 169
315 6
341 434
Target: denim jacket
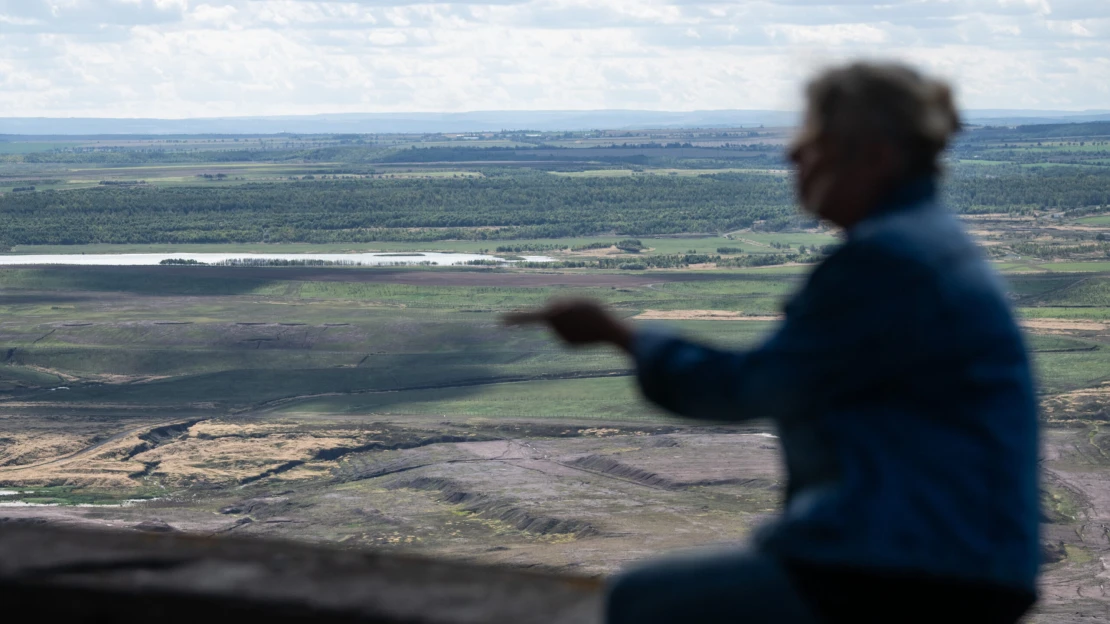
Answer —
901 390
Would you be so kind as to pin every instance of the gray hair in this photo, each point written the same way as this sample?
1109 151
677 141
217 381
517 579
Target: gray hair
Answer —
862 102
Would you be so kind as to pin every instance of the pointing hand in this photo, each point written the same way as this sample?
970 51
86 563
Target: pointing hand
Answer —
577 322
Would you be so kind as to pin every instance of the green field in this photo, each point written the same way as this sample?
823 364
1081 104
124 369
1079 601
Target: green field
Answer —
25 147
243 341
581 399
620 173
236 340
1076 267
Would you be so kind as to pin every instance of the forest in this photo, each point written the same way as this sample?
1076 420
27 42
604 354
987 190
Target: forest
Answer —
502 204
499 207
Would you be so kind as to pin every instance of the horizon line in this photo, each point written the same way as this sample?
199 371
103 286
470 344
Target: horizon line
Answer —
1011 111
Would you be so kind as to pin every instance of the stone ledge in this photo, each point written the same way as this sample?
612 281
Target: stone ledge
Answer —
121 576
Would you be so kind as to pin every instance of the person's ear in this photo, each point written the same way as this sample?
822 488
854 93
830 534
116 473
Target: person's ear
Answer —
887 160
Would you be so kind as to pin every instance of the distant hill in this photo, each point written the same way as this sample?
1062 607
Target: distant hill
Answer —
479 121
369 123
1088 129
1033 117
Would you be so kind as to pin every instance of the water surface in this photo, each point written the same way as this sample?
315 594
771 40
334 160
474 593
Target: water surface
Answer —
356 259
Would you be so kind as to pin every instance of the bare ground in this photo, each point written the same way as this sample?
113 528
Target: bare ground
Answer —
702 315
542 494
1064 325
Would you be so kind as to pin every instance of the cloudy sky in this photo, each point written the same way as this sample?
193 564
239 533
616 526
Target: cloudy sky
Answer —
192 58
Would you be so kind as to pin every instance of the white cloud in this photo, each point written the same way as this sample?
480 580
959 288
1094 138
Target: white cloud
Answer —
830 35
178 58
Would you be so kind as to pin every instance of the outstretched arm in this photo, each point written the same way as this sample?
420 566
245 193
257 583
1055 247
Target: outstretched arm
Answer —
852 325
860 322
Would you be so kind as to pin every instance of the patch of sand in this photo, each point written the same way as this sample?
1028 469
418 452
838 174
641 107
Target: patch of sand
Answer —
21 448
701 315
996 217
50 371
1084 404
216 429
1063 324
216 453
752 242
211 452
601 251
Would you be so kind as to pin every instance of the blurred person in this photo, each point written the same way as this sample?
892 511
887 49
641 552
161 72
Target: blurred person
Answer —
898 382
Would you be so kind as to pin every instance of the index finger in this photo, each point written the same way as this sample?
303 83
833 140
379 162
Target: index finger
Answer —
531 317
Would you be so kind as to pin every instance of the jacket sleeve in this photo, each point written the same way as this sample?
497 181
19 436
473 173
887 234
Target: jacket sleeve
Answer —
863 317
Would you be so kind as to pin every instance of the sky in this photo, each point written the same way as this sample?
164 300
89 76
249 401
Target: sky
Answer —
207 58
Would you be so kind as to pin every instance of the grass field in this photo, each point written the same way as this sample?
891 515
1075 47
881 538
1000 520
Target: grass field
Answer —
1074 313
602 399
1074 267
1053 267
237 339
619 173
140 337
26 147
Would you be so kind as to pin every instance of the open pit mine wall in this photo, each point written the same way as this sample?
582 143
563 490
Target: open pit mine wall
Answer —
67 575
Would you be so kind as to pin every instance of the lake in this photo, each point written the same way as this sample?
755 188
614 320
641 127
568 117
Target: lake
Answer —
358 259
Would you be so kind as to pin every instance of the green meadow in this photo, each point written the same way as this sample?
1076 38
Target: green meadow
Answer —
347 341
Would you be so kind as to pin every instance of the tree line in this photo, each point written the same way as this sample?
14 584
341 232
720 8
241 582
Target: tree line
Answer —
496 207
537 206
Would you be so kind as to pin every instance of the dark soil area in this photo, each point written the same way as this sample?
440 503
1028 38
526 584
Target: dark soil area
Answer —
418 276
